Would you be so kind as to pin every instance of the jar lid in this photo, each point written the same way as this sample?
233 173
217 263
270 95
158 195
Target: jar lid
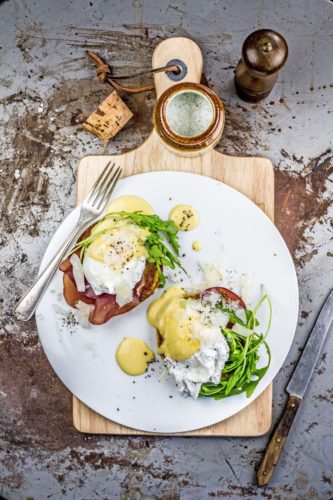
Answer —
173 106
264 52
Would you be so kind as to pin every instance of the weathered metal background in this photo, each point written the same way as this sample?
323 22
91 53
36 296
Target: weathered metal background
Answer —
47 88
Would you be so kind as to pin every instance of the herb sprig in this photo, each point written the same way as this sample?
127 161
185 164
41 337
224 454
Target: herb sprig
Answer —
159 231
240 373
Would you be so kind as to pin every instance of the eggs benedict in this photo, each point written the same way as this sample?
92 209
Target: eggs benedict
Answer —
206 340
118 262
189 336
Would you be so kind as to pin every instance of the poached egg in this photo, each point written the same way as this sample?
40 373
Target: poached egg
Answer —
115 261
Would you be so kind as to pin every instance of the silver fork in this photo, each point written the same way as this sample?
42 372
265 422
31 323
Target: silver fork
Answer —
92 206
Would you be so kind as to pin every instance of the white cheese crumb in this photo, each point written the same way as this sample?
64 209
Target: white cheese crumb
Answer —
212 274
124 293
173 275
242 330
83 313
78 272
245 288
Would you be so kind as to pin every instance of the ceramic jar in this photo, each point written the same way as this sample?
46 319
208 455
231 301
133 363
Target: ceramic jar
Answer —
189 118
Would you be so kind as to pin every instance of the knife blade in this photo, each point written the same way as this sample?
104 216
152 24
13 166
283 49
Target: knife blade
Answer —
302 374
296 388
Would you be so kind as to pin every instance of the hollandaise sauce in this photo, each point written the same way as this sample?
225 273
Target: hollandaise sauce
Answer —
185 217
130 203
133 356
166 314
197 246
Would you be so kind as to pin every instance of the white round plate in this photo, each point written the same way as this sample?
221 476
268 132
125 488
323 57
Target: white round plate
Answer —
235 233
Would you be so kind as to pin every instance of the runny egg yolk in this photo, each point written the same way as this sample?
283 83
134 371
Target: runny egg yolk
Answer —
166 314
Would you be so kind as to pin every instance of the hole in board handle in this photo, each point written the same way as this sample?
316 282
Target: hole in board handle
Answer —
177 77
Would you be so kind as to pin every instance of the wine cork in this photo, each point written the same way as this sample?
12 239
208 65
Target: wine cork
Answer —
109 118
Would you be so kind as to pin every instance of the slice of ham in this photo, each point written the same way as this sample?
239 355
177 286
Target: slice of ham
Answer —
105 304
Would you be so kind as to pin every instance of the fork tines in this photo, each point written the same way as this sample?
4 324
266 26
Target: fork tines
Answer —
104 186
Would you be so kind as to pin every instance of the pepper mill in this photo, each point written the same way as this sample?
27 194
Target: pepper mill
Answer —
264 52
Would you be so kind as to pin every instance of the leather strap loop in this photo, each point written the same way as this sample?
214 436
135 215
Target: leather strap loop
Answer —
103 71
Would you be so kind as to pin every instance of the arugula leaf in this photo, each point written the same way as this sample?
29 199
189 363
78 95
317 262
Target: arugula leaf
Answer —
234 318
240 373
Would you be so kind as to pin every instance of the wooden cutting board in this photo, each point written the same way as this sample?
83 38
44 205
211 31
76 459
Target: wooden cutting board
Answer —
253 177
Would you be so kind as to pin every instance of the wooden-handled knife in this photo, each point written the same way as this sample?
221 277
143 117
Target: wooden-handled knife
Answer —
296 390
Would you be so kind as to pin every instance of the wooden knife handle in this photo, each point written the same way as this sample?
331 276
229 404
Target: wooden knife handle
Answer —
277 441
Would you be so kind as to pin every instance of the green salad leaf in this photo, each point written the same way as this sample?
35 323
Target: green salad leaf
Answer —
160 232
241 373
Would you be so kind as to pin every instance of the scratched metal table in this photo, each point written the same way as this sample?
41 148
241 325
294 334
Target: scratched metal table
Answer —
47 88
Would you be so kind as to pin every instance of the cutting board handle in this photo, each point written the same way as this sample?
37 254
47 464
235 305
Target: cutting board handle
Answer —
182 49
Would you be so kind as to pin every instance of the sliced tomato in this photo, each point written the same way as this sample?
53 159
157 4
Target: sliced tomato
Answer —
228 295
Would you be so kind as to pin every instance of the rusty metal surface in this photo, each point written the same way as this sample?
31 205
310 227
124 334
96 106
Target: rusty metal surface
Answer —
47 87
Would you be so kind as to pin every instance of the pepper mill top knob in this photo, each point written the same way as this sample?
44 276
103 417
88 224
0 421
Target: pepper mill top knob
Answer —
264 52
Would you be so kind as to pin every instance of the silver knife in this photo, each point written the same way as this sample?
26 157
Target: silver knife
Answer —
296 389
